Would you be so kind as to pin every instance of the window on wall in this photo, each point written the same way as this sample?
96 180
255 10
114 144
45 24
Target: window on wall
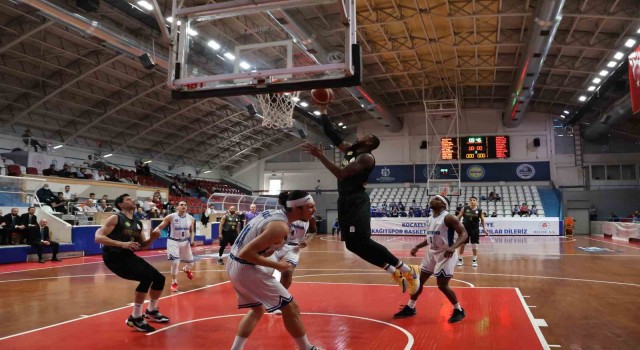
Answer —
597 172
628 172
275 186
613 172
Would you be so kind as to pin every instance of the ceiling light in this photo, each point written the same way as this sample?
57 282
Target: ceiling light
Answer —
618 55
58 146
582 98
638 31
630 43
596 80
295 99
612 64
603 73
147 162
316 112
146 5
244 65
214 44
566 112
340 124
591 88
304 104
191 32
208 171
107 155
229 55
169 19
344 126
562 116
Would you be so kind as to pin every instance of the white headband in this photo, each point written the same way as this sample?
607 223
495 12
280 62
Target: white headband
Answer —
300 201
446 203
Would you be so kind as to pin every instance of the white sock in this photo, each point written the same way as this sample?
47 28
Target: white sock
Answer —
390 269
238 343
188 267
460 259
174 270
153 305
411 304
137 310
457 306
403 267
303 343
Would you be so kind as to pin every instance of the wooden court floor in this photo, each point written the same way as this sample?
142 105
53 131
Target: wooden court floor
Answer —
527 293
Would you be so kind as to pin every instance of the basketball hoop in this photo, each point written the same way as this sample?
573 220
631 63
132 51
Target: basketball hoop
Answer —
277 109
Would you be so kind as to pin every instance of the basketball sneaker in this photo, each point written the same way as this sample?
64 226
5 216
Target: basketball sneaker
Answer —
174 287
220 262
139 324
474 263
155 316
457 316
400 280
189 273
405 312
459 262
413 278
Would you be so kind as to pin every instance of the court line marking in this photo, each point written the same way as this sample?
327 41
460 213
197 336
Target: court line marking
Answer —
536 328
541 322
368 273
550 277
410 339
619 244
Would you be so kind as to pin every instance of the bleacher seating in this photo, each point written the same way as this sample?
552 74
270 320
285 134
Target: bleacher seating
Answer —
196 206
510 195
212 186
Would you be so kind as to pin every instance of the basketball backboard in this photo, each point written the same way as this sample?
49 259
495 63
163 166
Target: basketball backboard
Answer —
245 47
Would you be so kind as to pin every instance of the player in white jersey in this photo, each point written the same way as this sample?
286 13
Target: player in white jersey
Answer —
249 268
290 252
179 243
441 258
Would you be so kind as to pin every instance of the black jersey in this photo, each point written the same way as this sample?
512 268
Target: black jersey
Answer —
231 223
126 230
471 217
354 183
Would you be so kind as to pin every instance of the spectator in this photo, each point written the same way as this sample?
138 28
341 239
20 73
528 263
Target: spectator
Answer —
318 188
45 195
154 212
515 210
524 210
90 207
613 217
139 167
204 219
2 225
67 195
59 204
534 210
335 229
140 214
65 172
158 202
494 215
102 206
40 237
29 224
100 176
401 206
492 196
134 180
28 140
51 171
80 173
593 213
91 199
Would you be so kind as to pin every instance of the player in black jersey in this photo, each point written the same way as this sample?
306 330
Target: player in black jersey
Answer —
354 207
472 217
120 236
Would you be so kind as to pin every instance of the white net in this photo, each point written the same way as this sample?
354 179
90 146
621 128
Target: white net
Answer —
277 109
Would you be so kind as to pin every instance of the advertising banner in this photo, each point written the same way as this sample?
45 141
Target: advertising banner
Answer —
532 226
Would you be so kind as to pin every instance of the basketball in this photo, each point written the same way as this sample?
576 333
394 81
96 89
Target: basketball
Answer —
322 97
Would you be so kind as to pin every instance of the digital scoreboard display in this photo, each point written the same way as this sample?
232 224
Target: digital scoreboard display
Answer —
475 147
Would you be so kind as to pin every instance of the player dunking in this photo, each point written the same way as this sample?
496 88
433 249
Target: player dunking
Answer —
249 268
354 207
471 216
120 236
440 258
179 243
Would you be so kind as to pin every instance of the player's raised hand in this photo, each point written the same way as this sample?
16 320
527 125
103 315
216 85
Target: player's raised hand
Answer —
312 150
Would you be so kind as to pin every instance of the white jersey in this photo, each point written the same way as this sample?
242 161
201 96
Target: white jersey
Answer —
438 232
298 229
254 228
180 226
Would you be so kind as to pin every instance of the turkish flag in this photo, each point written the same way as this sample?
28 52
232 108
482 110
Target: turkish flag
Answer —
634 80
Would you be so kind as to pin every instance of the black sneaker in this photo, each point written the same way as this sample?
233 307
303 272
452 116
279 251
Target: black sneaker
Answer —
139 324
220 262
405 312
156 316
456 316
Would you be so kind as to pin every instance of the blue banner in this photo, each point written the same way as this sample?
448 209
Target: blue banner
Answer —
391 174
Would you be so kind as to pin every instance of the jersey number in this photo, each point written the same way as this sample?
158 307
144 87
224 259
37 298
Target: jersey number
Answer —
243 234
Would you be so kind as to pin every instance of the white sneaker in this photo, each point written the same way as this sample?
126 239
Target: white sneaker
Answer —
277 312
474 263
459 262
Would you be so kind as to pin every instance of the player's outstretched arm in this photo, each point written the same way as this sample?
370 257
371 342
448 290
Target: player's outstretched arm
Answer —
332 133
362 162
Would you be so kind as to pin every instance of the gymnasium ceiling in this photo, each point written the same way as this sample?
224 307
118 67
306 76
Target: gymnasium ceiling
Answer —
71 87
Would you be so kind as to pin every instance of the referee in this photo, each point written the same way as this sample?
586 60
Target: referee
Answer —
120 236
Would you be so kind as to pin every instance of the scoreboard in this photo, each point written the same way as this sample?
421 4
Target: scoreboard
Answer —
475 147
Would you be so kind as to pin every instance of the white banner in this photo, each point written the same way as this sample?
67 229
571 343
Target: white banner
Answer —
532 226
622 231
